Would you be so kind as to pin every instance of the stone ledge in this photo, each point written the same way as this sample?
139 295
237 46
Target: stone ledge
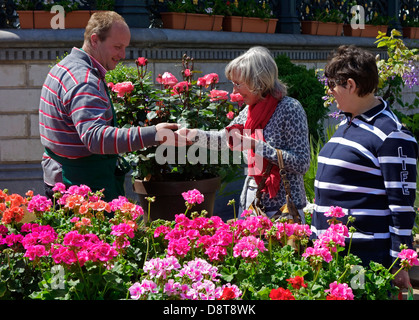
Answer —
168 44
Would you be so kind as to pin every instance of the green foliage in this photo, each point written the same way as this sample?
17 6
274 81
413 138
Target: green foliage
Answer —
327 15
304 86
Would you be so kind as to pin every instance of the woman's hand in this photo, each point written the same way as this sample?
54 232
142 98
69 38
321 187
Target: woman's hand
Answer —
242 142
188 135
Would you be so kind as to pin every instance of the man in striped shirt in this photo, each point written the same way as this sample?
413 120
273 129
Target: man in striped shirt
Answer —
368 167
76 117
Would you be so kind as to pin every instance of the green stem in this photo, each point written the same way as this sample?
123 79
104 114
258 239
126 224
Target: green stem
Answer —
270 248
401 268
315 276
394 262
146 253
84 280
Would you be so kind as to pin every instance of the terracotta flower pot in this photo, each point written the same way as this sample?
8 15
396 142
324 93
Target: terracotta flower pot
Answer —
77 19
249 24
350 32
411 32
258 25
321 28
173 20
369 31
191 21
35 19
232 23
204 22
169 200
42 19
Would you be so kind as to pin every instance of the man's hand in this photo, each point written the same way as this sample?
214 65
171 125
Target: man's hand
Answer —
188 135
166 134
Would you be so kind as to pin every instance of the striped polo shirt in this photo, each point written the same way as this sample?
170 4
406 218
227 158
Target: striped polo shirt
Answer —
368 168
76 116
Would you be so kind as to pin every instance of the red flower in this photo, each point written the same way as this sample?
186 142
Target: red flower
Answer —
141 61
230 130
297 282
331 297
281 294
228 294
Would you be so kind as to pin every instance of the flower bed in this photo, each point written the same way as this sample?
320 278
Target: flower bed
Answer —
80 247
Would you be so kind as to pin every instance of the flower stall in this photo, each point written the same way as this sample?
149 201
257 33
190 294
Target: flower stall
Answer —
80 247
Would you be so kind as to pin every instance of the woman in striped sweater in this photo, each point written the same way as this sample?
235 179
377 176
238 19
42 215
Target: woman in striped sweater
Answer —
368 168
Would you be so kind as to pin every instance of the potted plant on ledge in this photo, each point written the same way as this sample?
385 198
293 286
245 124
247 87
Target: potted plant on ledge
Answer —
165 173
371 27
410 28
324 22
35 14
249 16
191 15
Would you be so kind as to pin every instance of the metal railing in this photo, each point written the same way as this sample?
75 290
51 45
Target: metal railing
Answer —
289 12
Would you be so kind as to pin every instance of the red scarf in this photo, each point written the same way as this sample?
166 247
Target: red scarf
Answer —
257 117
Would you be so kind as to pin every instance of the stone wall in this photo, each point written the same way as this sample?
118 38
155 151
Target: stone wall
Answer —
26 56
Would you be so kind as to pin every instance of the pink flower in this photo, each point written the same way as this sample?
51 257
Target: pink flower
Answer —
178 247
217 95
201 82
167 79
208 79
181 87
330 240
141 61
318 255
237 97
36 251
248 248
246 213
336 212
409 258
193 196
122 229
230 115
161 230
12 239
73 238
341 291
122 88
62 254
60 187
39 204
161 268
187 72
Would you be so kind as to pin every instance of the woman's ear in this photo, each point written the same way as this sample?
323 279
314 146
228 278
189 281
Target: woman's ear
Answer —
351 85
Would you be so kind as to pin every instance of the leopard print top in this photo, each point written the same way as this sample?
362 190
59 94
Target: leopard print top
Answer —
286 130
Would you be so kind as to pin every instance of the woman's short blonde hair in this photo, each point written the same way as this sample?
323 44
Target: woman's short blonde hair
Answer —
258 70
100 23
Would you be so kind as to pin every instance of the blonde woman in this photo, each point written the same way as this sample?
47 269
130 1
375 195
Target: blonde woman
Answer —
270 120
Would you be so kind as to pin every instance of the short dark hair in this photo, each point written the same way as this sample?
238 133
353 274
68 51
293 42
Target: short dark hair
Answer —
356 63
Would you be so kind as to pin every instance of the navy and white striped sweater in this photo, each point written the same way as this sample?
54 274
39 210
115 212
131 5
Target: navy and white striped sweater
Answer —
369 169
